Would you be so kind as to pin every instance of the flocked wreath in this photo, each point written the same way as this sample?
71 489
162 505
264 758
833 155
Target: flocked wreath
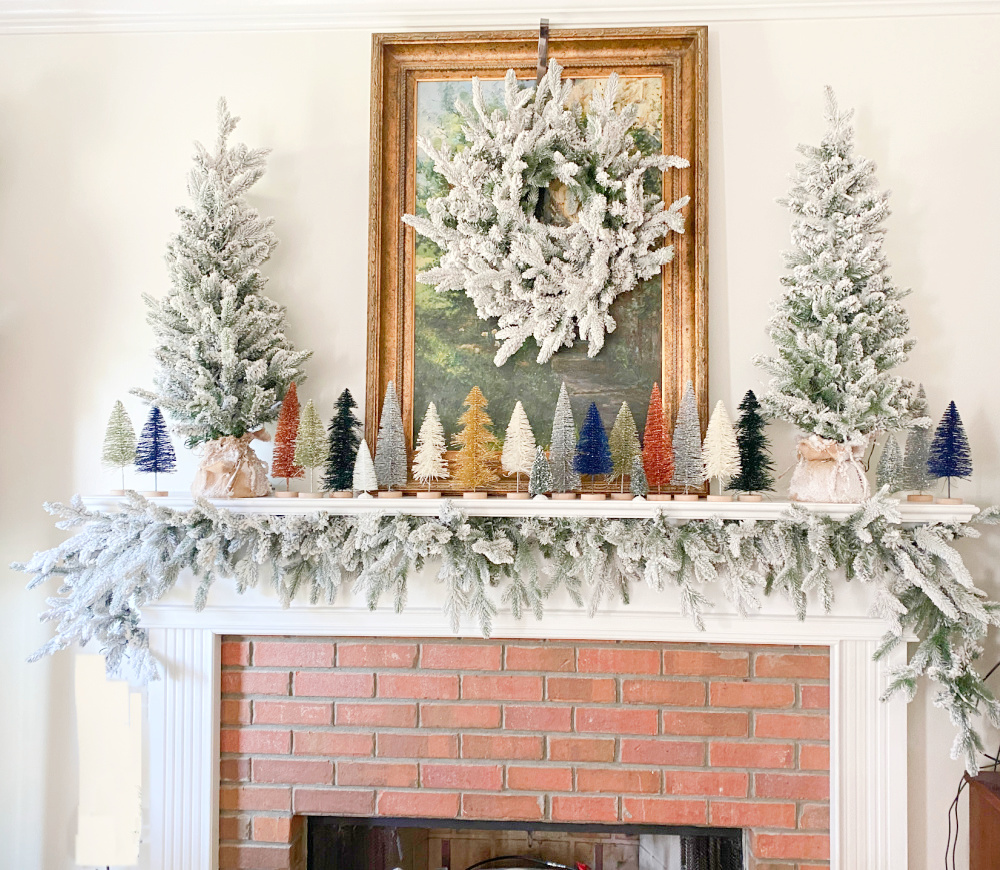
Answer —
543 278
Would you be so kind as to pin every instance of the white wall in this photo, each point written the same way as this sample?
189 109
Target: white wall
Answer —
95 142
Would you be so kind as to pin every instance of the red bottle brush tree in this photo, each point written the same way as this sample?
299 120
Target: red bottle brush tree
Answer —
285 438
657 451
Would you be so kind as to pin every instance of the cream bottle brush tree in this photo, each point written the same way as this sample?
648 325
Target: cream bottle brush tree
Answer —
311 446
119 441
365 480
429 462
720 454
518 446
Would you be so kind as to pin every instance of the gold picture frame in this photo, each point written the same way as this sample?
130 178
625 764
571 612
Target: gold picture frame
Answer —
676 57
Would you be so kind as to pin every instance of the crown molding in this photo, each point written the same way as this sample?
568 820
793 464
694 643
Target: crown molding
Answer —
122 16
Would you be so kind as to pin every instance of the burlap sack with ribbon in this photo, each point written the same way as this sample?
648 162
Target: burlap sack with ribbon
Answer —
829 471
230 468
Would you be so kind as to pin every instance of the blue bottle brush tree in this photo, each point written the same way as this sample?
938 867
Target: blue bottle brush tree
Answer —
593 453
949 454
154 453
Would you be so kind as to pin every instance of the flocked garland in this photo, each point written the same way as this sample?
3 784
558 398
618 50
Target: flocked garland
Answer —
538 278
119 561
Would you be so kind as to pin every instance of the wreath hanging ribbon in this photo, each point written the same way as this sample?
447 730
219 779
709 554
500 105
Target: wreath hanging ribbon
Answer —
547 280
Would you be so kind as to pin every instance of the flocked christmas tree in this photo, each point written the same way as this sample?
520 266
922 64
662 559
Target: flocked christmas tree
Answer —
224 362
364 480
593 454
688 468
889 473
343 436
428 458
755 474
283 463
154 454
720 454
562 449
624 444
475 464
119 440
540 482
840 329
916 477
311 448
657 451
950 456
518 452
390 445
637 484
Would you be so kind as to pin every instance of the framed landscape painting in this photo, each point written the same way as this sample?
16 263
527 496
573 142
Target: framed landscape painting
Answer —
432 344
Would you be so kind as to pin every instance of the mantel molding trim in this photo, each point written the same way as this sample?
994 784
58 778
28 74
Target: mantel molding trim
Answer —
101 16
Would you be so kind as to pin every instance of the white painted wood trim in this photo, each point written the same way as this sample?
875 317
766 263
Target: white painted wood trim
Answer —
503 507
105 16
184 750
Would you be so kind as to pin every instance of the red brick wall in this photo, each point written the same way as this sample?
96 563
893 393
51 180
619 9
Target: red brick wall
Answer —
672 734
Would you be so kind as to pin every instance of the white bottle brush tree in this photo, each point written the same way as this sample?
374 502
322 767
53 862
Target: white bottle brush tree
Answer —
840 329
518 452
429 462
224 362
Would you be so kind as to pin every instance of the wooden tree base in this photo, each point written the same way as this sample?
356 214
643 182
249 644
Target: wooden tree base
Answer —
920 498
721 497
593 496
312 495
389 493
342 493
686 496
948 501
518 495
116 492
285 493
154 493
621 496
427 493
751 496
475 495
563 496
659 496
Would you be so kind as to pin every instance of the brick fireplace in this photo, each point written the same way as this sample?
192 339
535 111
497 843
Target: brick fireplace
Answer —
732 736
267 716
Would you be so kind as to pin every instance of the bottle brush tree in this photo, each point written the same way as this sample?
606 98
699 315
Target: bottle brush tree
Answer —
840 329
916 477
540 481
283 464
949 454
562 449
343 435
637 484
889 473
154 454
475 465
624 444
593 453
119 440
657 451
756 467
311 448
720 454
429 462
365 480
224 362
518 452
390 444
688 468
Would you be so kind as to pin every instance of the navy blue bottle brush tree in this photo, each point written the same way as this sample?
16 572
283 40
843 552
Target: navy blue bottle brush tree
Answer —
950 456
154 454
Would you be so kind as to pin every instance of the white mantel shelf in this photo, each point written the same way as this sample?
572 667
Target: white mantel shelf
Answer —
910 513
